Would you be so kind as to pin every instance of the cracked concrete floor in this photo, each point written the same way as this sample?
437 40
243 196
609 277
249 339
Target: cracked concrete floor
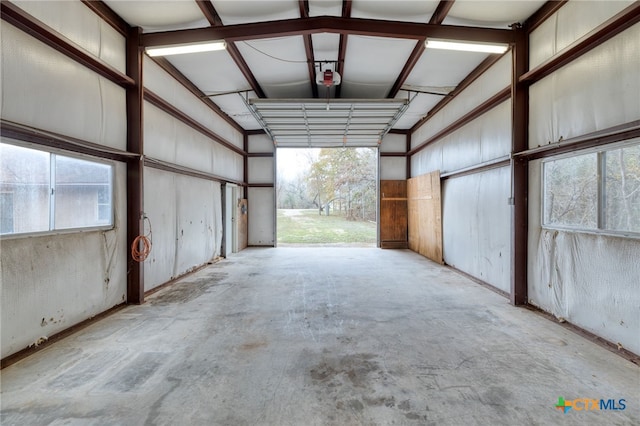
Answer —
319 336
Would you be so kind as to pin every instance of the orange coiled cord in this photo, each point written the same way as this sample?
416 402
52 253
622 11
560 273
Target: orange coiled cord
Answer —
141 246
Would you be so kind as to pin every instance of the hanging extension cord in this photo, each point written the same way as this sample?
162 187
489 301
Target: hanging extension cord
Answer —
141 246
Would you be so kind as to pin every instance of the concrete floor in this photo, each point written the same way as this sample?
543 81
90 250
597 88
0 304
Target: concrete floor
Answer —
328 336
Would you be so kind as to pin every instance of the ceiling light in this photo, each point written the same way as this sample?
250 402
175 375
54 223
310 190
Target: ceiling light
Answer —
179 49
466 46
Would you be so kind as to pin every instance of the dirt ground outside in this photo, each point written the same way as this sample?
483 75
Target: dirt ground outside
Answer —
307 227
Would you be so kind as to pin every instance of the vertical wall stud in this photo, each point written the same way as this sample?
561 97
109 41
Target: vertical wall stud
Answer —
519 169
135 188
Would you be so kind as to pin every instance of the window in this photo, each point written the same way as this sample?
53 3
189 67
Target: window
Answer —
42 191
597 191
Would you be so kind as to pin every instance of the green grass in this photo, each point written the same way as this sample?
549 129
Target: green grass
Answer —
307 227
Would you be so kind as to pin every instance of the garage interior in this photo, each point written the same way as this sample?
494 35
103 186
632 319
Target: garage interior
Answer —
506 274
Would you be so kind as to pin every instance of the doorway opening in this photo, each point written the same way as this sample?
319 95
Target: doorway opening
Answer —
327 196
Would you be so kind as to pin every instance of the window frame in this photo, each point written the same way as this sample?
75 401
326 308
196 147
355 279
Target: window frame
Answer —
601 188
52 152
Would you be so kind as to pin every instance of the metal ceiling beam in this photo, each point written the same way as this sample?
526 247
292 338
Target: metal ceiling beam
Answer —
436 19
441 11
308 47
108 15
216 22
328 24
542 14
210 13
342 49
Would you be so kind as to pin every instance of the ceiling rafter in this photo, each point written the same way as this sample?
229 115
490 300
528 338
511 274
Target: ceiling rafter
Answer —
308 47
328 24
214 19
342 49
438 16
108 15
541 15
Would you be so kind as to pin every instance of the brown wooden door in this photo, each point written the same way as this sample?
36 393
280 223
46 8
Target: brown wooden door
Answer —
393 214
425 215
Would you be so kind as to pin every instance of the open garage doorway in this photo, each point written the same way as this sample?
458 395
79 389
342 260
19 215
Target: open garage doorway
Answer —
327 196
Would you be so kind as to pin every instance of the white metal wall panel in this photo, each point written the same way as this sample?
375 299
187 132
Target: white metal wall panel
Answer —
169 89
394 143
589 280
393 168
44 89
475 222
168 139
160 265
79 24
427 160
599 90
186 222
260 143
261 216
486 138
260 170
63 279
572 21
488 84
199 216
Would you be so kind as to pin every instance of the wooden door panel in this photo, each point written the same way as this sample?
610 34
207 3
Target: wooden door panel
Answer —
425 215
393 214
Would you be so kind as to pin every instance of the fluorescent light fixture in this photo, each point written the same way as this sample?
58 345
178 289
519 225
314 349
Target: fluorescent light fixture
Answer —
466 46
179 49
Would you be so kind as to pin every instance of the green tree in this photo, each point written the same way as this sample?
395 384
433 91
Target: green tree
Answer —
344 179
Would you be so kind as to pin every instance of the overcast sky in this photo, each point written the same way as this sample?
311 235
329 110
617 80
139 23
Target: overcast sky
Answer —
292 161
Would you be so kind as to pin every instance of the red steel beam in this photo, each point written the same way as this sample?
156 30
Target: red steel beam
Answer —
328 24
542 14
165 106
342 46
519 170
135 182
108 15
216 22
210 13
37 29
487 105
438 16
596 139
55 140
186 171
308 47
